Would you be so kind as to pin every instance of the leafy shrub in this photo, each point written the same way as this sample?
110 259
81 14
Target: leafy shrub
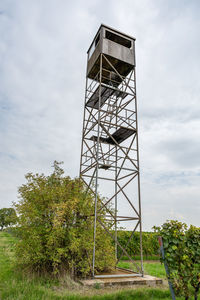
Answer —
149 243
8 217
56 226
182 255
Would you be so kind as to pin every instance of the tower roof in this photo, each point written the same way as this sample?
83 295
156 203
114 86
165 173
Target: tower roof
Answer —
113 29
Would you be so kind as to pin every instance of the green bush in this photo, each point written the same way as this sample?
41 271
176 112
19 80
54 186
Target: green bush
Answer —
182 256
8 217
56 226
149 243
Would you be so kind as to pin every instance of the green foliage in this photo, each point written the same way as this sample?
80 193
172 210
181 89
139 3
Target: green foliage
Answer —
15 286
8 217
149 243
56 226
182 255
193 249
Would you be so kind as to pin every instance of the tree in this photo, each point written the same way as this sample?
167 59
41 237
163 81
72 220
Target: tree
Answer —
8 217
56 216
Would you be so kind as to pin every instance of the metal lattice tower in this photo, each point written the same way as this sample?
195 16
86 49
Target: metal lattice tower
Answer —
109 153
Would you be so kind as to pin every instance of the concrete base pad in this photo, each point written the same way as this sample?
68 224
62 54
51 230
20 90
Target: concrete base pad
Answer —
146 280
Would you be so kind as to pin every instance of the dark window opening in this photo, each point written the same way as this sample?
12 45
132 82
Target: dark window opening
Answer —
118 39
97 40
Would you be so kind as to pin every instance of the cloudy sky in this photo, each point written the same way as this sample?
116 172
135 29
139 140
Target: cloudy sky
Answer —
43 48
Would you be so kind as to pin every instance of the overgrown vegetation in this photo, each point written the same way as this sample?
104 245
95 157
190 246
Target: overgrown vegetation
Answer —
55 237
8 217
149 244
182 255
13 285
56 226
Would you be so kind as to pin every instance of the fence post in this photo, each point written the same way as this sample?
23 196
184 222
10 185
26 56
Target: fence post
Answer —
166 267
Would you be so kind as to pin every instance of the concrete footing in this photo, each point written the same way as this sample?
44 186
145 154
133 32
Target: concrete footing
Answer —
102 282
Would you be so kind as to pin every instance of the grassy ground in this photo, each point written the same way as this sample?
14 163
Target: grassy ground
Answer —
14 286
153 268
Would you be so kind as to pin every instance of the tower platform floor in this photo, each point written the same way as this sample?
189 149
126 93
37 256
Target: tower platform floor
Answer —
106 92
120 135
